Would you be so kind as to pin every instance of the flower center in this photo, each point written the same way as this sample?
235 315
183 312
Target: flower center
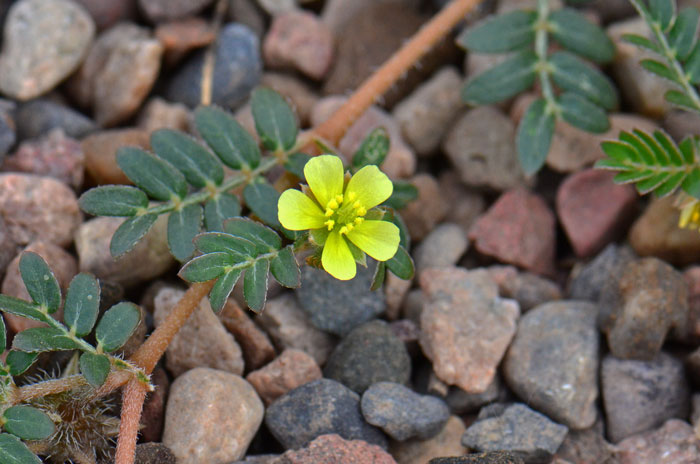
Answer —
345 213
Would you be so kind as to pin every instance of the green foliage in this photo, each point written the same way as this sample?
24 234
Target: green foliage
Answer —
586 92
373 150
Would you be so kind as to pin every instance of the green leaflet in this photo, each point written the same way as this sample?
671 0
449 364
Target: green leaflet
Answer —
231 143
573 74
534 136
575 33
155 176
183 225
274 119
502 33
117 325
373 149
503 81
194 161
113 200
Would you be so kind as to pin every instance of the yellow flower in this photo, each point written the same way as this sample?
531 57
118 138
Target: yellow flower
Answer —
690 211
337 214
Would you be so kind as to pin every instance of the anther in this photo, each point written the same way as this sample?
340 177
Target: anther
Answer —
343 230
352 196
329 212
339 199
330 223
333 204
359 221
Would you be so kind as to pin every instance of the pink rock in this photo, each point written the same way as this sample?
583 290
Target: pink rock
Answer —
333 449
256 345
593 209
182 36
54 155
291 369
426 211
100 151
692 327
673 443
518 229
300 40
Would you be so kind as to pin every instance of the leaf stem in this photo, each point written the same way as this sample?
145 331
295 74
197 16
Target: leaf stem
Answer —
541 48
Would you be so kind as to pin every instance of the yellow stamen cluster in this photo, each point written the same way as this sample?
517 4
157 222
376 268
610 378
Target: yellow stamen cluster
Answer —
349 216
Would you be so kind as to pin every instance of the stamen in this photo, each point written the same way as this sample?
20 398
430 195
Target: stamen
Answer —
361 211
333 204
339 199
343 230
329 212
352 196
330 223
359 221
349 226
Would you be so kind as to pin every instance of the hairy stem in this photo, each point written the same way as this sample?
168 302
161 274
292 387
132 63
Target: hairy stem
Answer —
381 80
48 387
132 405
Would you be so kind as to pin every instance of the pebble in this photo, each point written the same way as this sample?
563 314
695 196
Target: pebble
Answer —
62 264
237 70
673 443
166 10
593 210
289 328
38 208
153 453
337 306
552 362
8 129
519 229
481 147
690 331
278 7
158 113
462 402
443 247
528 289
59 34
586 281
100 150
180 37
402 413
333 449
400 162
681 124
118 73
611 10
291 369
640 305
445 443
8 247
466 205
488 457
38 117
426 114
465 327
212 416
370 353
189 349
257 347
148 259
518 429
297 93
248 13
656 233
641 395
395 291
337 12
317 408
107 13
644 90
425 212
53 155
586 446
299 40
153 413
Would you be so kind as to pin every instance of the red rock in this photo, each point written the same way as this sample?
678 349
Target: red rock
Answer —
333 449
518 229
422 214
291 369
101 153
673 443
593 210
256 345
300 40
182 36
54 155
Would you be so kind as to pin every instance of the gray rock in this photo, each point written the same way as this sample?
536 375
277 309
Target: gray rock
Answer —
237 70
37 117
517 429
445 443
8 129
481 146
337 306
167 10
370 353
640 305
442 247
461 402
317 408
528 289
553 362
489 457
641 395
402 413
43 43
587 281
586 446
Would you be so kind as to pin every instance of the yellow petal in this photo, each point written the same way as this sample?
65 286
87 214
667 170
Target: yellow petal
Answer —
337 259
296 211
369 186
379 239
324 174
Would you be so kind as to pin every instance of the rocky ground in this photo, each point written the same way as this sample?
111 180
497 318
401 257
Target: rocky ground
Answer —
551 319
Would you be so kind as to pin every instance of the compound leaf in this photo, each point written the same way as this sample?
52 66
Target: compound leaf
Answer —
265 238
285 269
373 149
12 305
401 264
404 192
19 361
261 198
581 113
207 267
39 339
662 11
576 33
222 289
13 451
241 249
573 74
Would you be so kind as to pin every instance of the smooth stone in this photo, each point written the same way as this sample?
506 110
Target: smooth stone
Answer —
395 291
278 7
189 349
426 114
44 42
336 13
586 281
256 345
100 151
337 306
289 327
402 413
681 124
425 212
291 369
334 449
465 327
552 362
317 408
8 129
158 113
8 247
586 446
481 147
370 353
53 155
148 259
673 443
465 204
641 395
691 330
462 402
445 443
38 117
180 37
212 416
640 305
165 10
443 247
107 13
519 229
528 289
237 70
38 208
517 429
594 210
